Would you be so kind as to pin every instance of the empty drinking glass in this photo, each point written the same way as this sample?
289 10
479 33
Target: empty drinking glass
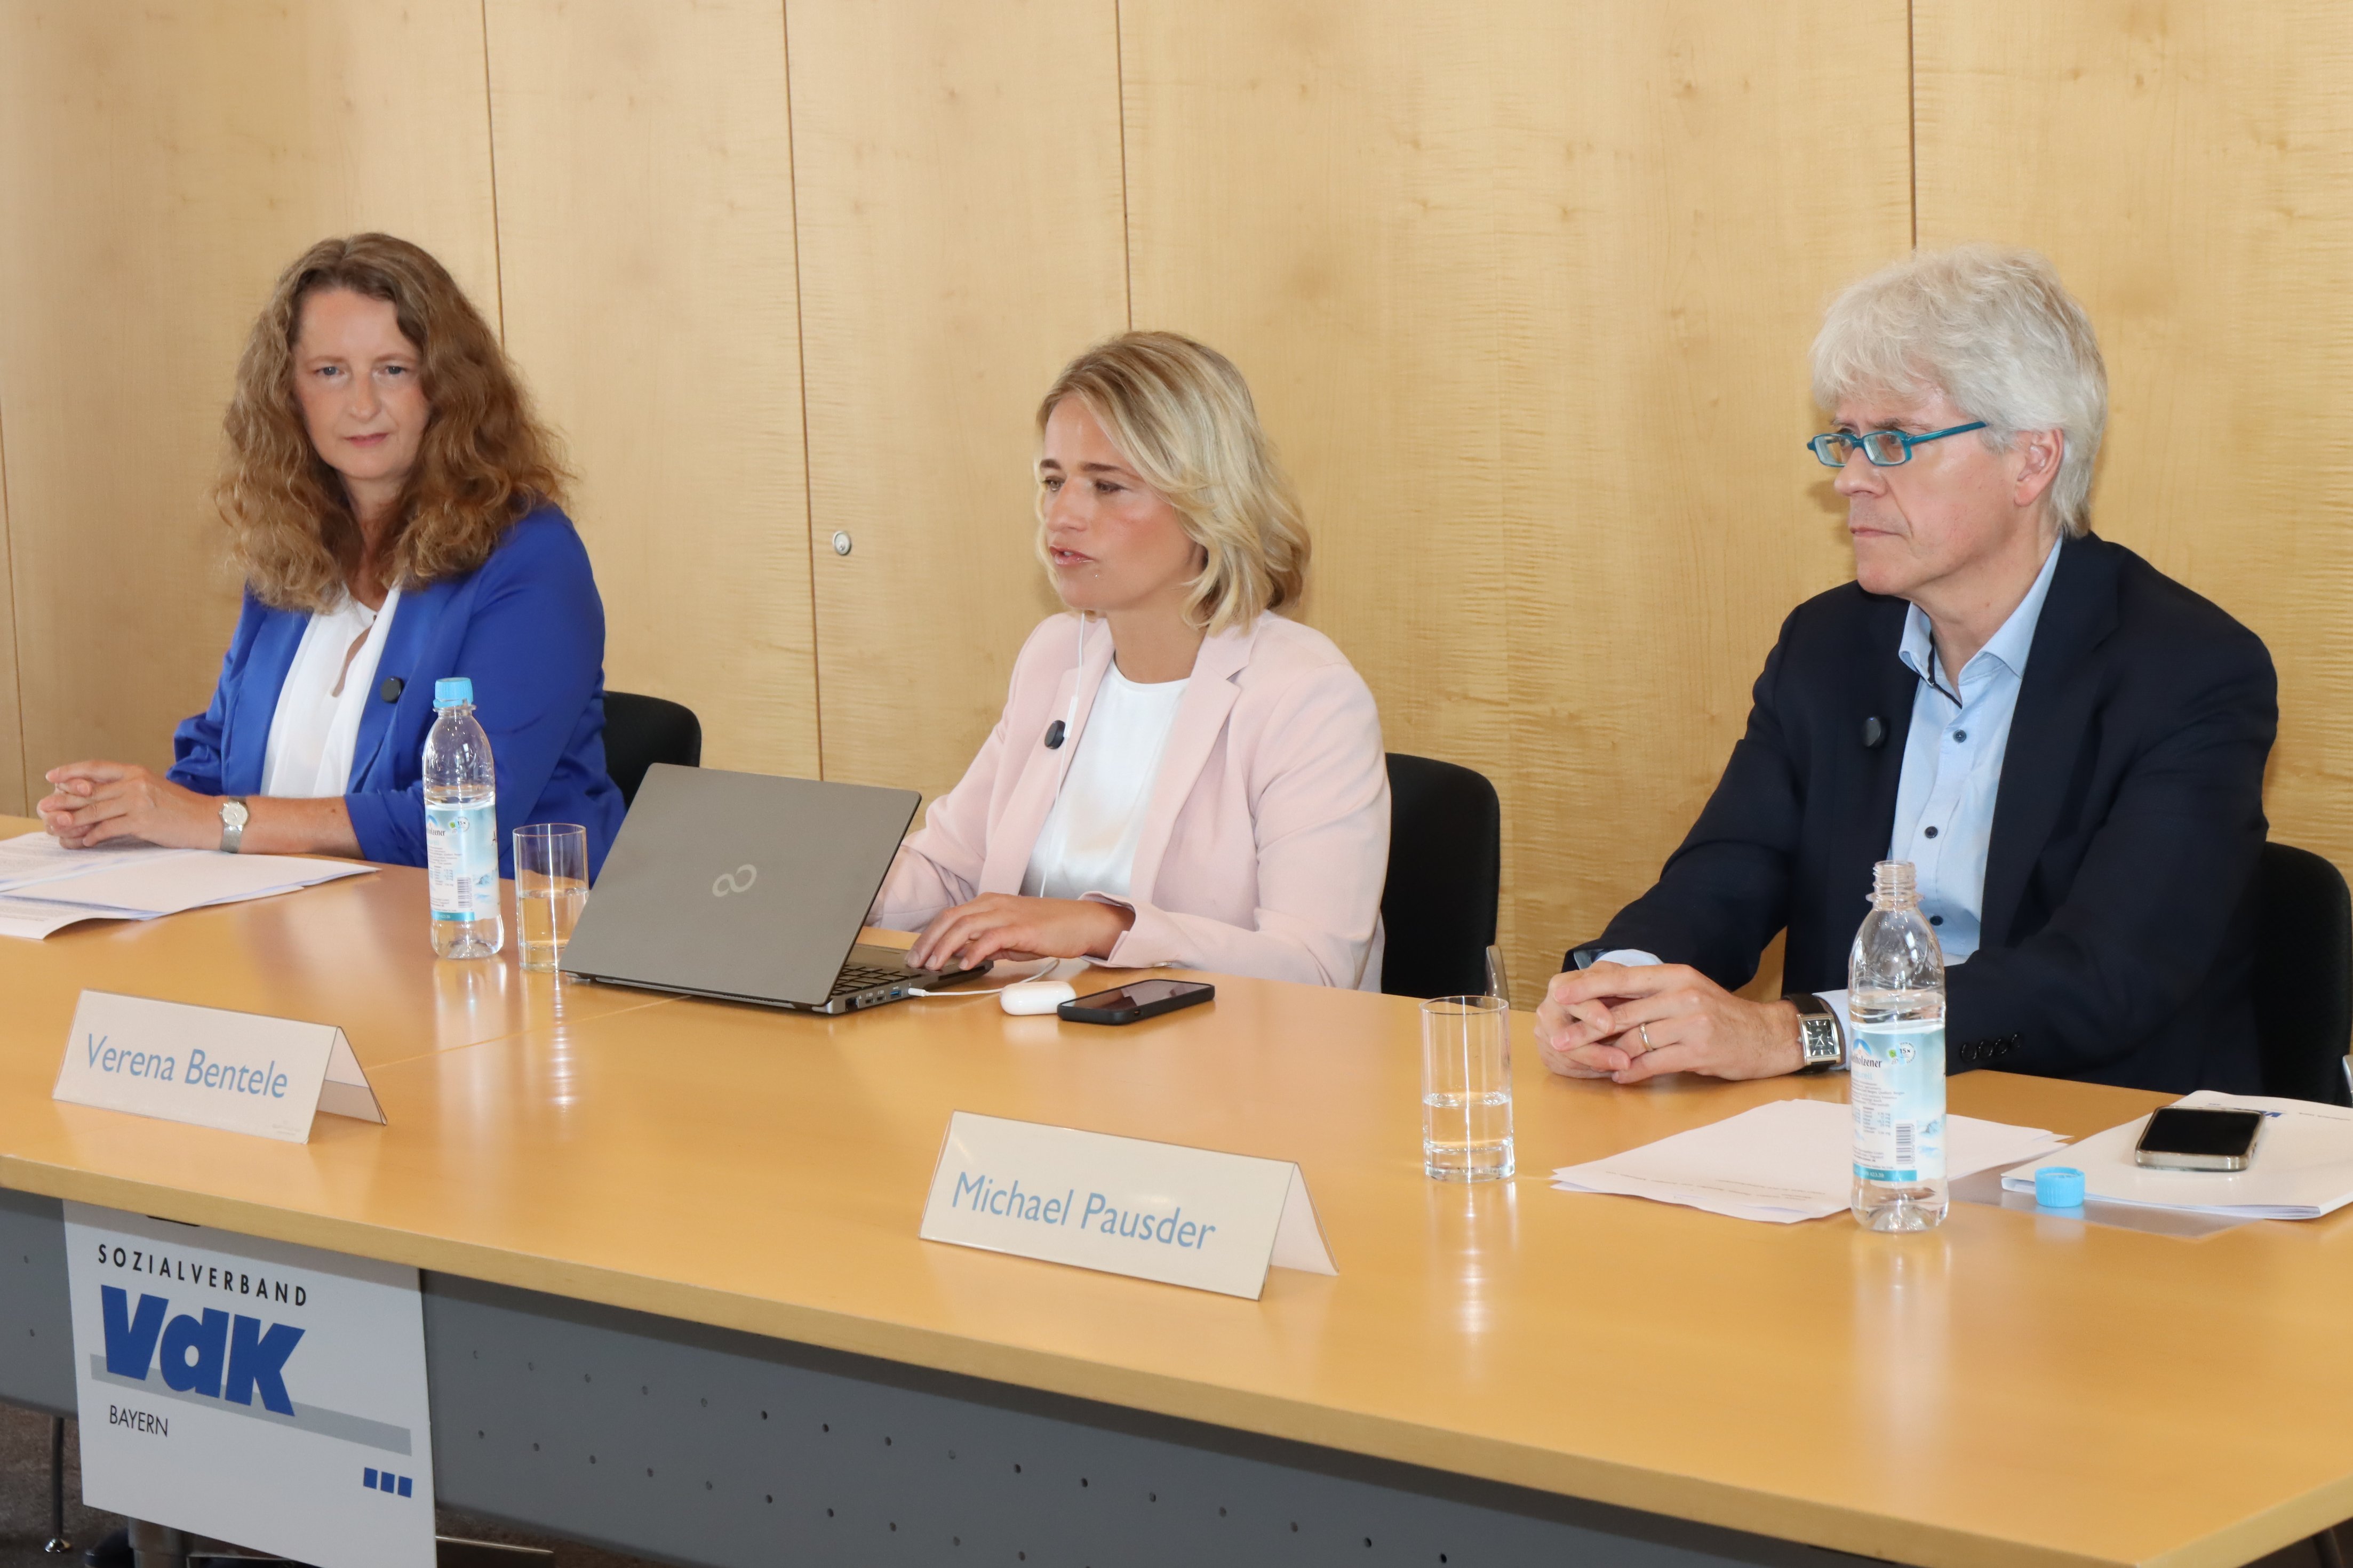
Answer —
551 865
1466 1088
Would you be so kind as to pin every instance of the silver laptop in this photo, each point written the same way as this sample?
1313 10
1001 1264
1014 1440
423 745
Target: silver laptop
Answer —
750 889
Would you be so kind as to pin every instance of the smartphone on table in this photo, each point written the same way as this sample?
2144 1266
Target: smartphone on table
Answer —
1135 999
2192 1138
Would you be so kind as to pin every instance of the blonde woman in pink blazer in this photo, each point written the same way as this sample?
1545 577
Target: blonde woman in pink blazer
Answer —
1180 775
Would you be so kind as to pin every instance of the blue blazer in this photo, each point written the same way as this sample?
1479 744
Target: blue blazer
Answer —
526 627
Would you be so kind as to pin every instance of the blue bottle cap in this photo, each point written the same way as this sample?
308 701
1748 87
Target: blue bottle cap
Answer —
450 690
2059 1187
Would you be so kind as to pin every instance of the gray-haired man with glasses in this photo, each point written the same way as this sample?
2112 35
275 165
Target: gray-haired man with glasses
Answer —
2068 745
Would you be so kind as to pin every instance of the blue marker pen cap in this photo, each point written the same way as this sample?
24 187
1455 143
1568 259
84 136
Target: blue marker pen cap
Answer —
451 691
2059 1187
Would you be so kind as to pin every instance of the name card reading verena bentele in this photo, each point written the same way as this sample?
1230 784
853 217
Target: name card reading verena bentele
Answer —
1122 1205
240 1072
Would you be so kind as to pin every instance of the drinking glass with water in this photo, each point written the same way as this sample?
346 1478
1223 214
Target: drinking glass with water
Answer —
551 879
1466 1088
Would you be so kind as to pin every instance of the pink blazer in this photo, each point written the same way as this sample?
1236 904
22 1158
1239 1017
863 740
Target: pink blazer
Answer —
1266 842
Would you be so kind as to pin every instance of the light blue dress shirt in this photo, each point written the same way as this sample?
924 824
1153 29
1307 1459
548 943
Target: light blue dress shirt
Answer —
1952 765
1952 772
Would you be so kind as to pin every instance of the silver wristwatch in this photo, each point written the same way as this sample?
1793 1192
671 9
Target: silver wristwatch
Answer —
234 816
1821 1043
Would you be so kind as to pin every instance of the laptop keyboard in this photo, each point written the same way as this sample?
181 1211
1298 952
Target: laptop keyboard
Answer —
855 977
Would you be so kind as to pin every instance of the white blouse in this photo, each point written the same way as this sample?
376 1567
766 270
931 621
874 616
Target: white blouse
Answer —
316 728
1088 844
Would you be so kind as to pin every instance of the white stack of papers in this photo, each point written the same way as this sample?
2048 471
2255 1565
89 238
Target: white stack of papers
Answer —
45 887
1788 1161
2302 1169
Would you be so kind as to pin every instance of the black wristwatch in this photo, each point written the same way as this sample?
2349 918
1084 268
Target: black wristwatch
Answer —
1821 1043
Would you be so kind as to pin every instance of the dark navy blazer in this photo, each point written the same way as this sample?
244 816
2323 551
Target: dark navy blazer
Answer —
2117 947
526 627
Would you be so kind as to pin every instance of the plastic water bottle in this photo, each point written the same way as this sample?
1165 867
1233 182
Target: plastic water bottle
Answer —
462 828
1896 999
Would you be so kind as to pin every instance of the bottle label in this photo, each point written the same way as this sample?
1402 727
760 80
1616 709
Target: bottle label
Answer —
461 860
1897 1091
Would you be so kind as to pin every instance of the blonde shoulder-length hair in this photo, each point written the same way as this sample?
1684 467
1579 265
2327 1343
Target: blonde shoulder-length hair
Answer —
1182 416
484 461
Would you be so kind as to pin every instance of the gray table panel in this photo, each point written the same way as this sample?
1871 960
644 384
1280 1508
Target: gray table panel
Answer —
36 1320
708 1446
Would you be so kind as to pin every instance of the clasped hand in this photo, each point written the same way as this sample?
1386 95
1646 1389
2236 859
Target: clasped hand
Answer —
1001 925
1593 1023
94 802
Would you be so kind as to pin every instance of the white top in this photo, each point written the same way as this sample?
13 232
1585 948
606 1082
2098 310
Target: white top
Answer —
316 728
1088 845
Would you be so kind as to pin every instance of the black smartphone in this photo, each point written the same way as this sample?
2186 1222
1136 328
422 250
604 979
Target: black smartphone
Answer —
2187 1138
1138 999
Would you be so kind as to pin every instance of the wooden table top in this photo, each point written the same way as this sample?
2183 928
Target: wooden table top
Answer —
2009 1389
353 953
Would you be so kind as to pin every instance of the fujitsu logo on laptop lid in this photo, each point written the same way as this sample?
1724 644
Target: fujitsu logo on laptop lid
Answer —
739 882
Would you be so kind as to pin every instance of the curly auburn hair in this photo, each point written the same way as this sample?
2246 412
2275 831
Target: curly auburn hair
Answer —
484 460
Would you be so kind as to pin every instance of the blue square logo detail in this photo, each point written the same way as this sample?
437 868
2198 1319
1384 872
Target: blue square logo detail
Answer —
369 1480
404 1486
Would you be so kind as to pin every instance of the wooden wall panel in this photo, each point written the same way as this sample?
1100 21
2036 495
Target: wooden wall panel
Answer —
957 178
1525 293
644 157
158 168
2189 169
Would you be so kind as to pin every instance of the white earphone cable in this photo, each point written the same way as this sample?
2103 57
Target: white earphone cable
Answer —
1078 677
1048 973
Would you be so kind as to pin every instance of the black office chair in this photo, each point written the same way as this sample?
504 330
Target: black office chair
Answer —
2304 974
641 731
1446 873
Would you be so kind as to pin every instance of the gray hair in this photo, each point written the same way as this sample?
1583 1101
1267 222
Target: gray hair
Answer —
1994 330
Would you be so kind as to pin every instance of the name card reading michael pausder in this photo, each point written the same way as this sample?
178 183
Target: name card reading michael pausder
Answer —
1122 1205
240 1072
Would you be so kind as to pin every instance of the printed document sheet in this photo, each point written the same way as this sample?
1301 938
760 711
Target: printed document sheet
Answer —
2302 1168
1788 1161
45 887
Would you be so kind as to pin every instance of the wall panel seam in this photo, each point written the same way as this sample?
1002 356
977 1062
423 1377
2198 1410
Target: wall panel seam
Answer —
800 357
1912 109
15 625
1126 227
491 141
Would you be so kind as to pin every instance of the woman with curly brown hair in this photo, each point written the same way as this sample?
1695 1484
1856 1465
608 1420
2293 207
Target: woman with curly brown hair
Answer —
394 507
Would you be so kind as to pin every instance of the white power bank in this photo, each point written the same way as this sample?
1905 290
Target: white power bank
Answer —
1035 996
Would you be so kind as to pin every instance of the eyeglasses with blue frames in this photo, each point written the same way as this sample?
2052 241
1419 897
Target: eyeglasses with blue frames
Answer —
1885 448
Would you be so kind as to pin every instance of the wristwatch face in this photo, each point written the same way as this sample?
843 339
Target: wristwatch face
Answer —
1819 1039
233 814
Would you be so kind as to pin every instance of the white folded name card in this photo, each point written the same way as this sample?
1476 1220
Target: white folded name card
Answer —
1156 1211
240 1072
